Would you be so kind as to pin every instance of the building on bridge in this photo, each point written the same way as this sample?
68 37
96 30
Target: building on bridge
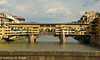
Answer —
88 17
15 19
2 15
10 19
35 30
4 30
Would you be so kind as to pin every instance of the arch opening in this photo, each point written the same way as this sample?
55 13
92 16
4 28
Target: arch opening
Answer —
71 40
52 30
41 30
47 39
47 30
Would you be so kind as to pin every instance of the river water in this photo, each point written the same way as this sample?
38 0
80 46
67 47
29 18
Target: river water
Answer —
47 43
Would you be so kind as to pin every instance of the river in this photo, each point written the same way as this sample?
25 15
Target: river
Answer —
47 43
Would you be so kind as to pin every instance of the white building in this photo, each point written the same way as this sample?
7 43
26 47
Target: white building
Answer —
10 19
15 18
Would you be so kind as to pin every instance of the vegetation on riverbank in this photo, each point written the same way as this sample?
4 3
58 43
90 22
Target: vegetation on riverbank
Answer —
14 39
82 39
18 38
3 41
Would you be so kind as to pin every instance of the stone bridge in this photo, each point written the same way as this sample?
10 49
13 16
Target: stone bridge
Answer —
35 30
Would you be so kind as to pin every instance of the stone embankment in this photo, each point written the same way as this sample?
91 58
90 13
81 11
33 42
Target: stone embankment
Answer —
49 55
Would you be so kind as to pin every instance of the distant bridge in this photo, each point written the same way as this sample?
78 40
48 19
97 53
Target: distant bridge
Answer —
35 30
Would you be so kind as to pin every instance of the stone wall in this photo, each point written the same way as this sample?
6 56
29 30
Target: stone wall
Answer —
49 55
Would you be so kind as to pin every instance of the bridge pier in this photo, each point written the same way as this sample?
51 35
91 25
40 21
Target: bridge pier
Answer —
31 38
62 37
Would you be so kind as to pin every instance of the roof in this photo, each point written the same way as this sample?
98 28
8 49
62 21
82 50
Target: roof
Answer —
47 24
12 15
1 13
16 17
5 18
2 16
98 13
19 18
91 11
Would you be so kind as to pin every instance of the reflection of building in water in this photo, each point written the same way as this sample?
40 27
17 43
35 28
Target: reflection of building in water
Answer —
10 18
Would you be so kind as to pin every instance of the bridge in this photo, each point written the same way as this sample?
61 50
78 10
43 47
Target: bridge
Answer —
35 30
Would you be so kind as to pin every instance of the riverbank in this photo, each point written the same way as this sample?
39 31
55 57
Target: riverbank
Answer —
3 41
19 38
82 39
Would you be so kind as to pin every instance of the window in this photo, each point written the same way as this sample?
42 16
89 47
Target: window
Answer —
41 25
35 27
0 33
21 27
12 28
5 33
47 25
5 30
85 33
52 25
80 25
35 30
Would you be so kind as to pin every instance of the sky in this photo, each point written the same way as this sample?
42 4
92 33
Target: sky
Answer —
49 11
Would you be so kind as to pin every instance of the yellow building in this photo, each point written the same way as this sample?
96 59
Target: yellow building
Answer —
88 17
4 30
2 15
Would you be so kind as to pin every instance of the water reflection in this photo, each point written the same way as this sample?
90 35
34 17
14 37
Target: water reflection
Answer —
48 43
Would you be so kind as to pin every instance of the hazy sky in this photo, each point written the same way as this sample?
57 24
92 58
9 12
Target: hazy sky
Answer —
49 11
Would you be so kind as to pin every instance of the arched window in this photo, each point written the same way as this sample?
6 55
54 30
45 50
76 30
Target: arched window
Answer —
53 30
47 30
41 30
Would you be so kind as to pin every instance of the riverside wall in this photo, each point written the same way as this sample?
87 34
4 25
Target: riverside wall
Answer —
49 55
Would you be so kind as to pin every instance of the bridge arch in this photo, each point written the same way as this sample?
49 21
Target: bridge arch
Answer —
52 30
48 36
